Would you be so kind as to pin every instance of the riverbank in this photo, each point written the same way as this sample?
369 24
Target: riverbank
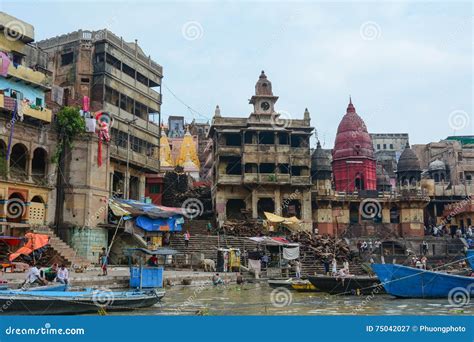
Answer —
118 277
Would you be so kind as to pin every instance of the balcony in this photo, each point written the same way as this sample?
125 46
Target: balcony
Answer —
138 159
250 177
45 115
229 150
300 180
29 76
229 179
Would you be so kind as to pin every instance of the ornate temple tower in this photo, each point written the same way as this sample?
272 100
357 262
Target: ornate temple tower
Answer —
354 166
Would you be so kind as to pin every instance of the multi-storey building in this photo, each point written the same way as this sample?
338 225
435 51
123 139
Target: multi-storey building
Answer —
119 79
261 163
27 142
387 150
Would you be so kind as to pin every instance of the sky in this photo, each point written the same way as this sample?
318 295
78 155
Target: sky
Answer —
408 66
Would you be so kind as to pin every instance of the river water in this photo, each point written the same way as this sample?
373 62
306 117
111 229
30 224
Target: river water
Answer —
260 299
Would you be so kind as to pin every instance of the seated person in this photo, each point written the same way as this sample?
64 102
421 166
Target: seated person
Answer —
33 277
51 272
217 280
153 261
63 275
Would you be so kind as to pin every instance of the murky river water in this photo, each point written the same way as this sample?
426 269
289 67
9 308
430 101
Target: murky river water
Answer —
257 299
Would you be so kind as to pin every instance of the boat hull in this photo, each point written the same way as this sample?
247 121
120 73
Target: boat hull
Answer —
278 283
408 282
470 257
356 285
43 303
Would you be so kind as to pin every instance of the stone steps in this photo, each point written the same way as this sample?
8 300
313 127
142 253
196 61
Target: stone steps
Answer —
66 253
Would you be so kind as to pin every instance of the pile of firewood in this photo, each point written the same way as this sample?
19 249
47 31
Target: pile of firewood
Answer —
244 228
322 246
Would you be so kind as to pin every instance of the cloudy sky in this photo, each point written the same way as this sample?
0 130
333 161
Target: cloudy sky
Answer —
407 66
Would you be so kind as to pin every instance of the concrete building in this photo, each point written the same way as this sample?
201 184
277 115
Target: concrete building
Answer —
261 162
27 142
201 131
387 150
117 78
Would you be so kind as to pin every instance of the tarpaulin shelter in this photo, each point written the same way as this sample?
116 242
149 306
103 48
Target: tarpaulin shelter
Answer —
33 243
293 223
11 240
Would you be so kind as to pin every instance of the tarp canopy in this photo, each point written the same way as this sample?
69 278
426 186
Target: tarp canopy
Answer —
132 208
34 242
170 224
273 241
291 222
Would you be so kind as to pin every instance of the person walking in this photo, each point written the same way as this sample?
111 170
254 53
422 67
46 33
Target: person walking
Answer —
334 267
187 236
103 261
298 269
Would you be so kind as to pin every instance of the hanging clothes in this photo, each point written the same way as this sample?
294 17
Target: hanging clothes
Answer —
19 109
5 63
291 253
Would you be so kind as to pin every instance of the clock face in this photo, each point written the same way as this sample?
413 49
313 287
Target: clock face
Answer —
265 105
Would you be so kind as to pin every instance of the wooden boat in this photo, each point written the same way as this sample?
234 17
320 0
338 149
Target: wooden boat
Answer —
52 287
286 283
70 302
303 286
410 282
470 257
349 285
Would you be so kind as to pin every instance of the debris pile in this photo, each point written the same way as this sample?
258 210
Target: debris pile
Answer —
322 246
244 228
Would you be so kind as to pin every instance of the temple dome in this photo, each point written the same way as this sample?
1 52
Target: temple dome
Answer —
437 165
320 160
263 85
352 139
408 161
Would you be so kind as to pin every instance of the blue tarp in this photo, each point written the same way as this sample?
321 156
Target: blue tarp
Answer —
170 224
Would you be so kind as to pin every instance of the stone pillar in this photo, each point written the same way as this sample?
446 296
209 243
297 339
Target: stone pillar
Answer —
254 204
278 202
306 214
386 213
29 166
141 187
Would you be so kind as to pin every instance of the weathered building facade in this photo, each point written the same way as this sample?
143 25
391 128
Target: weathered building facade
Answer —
261 163
99 70
27 142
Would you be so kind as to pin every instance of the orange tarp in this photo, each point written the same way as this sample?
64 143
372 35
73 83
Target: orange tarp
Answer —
34 242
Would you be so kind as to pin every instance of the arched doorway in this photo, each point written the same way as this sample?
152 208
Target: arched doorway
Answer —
16 207
19 161
37 210
265 204
394 214
39 162
354 213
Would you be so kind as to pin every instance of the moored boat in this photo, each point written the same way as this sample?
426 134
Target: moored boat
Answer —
303 286
470 257
286 283
410 282
71 302
348 285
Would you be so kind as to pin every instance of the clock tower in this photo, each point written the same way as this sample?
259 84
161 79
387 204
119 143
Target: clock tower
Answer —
263 101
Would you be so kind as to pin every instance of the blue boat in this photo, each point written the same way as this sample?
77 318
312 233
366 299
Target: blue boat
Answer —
408 282
470 257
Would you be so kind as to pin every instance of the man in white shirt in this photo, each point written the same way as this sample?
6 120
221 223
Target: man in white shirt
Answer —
63 275
33 276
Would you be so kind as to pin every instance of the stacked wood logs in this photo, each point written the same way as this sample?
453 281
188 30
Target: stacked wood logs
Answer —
244 228
323 247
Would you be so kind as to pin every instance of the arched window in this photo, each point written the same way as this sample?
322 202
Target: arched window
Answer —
18 161
38 167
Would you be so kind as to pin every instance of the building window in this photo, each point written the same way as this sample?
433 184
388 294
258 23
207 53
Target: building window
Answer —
384 146
85 80
391 146
378 146
17 59
67 58
39 102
